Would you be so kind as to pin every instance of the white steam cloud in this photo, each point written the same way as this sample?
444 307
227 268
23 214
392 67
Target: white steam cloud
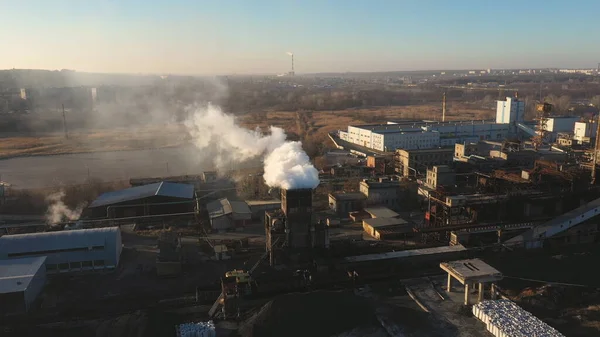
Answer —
58 211
290 53
286 165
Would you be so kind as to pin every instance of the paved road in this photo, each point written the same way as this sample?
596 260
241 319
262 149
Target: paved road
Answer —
47 171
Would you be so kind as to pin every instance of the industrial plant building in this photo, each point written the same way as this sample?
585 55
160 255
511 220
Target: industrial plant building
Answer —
228 214
67 251
21 282
147 201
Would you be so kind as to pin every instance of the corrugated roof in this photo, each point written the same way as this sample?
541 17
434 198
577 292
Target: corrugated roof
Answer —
165 189
223 206
48 241
16 274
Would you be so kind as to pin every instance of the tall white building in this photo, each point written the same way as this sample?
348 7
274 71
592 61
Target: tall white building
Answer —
510 111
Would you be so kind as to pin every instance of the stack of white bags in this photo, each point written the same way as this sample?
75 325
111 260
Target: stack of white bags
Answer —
200 329
506 319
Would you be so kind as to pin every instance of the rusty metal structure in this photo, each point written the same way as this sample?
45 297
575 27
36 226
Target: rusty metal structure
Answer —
509 197
543 112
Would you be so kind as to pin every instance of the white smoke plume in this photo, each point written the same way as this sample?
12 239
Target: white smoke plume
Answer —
290 53
58 211
217 134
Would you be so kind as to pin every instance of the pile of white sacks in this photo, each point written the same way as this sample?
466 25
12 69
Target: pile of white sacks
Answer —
200 329
506 319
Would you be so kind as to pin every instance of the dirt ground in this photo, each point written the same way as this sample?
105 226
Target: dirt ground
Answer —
317 123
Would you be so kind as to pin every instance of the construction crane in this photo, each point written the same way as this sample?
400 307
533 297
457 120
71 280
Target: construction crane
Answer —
543 112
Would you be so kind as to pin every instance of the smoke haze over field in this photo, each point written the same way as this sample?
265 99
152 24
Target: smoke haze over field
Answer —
217 136
58 211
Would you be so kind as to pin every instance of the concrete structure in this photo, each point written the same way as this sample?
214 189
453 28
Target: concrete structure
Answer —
386 228
382 165
440 175
584 132
153 200
259 207
381 212
380 192
344 203
416 162
67 251
21 281
510 111
225 214
471 273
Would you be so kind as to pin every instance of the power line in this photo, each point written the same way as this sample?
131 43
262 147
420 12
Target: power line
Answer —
551 282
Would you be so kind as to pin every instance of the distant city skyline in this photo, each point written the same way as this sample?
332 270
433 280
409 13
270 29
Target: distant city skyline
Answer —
253 37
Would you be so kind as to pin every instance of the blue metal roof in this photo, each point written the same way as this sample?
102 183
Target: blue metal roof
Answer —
165 189
16 274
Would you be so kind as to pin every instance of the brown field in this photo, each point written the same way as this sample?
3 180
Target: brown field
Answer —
92 141
316 124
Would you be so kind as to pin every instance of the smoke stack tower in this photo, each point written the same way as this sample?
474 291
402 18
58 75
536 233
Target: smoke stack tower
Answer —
291 73
296 204
444 107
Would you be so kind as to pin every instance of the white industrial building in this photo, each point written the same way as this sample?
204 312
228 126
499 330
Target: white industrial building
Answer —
583 132
422 134
67 251
21 282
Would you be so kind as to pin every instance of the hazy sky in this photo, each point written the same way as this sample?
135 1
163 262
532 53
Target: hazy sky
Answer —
252 36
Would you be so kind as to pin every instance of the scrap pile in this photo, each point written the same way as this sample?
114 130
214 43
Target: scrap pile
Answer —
200 329
506 319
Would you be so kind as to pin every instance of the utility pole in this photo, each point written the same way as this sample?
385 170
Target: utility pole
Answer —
444 107
596 146
65 122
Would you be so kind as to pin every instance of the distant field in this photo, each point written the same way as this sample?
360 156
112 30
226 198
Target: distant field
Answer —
92 141
317 124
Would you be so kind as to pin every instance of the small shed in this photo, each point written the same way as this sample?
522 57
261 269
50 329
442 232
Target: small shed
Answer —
21 282
387 228
227 214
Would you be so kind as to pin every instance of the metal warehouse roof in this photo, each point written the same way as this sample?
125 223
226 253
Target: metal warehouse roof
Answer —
165 189
224 206
49 241
16 274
